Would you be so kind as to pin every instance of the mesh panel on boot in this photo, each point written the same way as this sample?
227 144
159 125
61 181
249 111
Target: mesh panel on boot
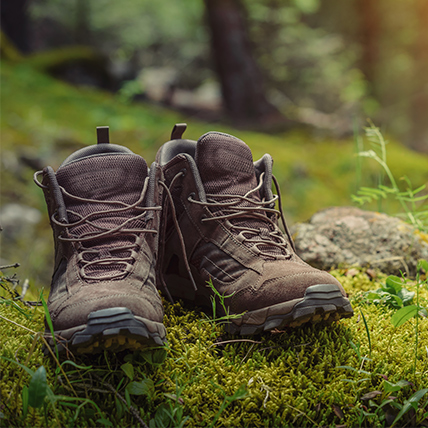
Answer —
118 177
226 166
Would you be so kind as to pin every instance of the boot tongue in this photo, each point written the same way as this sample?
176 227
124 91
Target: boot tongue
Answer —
105 177
108 177
225 164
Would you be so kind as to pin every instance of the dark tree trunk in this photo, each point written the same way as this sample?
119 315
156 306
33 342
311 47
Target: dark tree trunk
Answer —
419 107
83 22
369 37
240 77
14 22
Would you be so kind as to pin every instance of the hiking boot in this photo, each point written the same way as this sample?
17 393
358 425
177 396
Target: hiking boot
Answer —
104 207
227 224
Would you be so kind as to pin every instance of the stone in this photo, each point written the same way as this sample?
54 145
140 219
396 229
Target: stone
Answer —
349 236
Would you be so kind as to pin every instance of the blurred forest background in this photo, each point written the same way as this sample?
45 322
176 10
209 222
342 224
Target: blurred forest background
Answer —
297 78
274 62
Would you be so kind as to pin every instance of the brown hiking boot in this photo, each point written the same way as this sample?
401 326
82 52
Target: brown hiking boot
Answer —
104 206
226 212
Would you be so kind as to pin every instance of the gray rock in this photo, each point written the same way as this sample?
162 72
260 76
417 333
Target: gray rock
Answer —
18 220
348 236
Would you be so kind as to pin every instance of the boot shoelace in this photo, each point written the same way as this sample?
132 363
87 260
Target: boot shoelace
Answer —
274 237
226 206
103 254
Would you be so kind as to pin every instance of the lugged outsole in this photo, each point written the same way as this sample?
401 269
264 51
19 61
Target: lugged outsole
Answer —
322 302
112 329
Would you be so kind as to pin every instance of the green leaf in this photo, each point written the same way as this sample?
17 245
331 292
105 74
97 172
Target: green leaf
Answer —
393 387
28 370
403 315
127 398
163 417
423 264
51 396
37 389
372 295
128 368
353 369
386 297
395 283
24 401
144 387
406 296
72 363
104 422
408 404
413 198
154 356
419 189
49 323
368 154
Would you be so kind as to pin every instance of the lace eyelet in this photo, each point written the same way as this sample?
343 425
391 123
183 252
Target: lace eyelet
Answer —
183 172
191 196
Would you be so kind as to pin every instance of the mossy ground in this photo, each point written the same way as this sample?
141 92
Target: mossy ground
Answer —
287 378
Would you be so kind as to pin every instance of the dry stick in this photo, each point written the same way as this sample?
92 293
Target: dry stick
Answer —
248 353
303 414
14 265
232 341
25 288
132 409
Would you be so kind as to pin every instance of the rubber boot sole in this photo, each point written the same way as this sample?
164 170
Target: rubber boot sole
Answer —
322 302
112 329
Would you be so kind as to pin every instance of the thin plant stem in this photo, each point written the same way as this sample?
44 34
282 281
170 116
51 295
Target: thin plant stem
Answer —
368 333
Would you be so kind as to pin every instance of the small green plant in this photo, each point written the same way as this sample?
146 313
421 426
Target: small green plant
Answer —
223 308
239 394
382 403
389 410
392 294
410 199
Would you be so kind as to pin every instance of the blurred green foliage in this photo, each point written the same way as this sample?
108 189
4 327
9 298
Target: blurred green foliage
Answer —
343 59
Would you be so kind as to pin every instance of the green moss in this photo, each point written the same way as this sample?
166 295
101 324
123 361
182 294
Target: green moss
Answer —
291 378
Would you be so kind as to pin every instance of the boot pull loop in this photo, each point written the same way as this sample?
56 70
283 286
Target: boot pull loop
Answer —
57 195
103 135
178 131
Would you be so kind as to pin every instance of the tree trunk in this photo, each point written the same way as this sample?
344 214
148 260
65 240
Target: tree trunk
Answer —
14 22
240 77
369 38
419 107
83 22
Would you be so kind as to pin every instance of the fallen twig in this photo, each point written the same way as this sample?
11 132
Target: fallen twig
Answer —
233 341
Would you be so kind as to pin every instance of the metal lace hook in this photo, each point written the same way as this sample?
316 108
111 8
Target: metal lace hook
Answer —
56 192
